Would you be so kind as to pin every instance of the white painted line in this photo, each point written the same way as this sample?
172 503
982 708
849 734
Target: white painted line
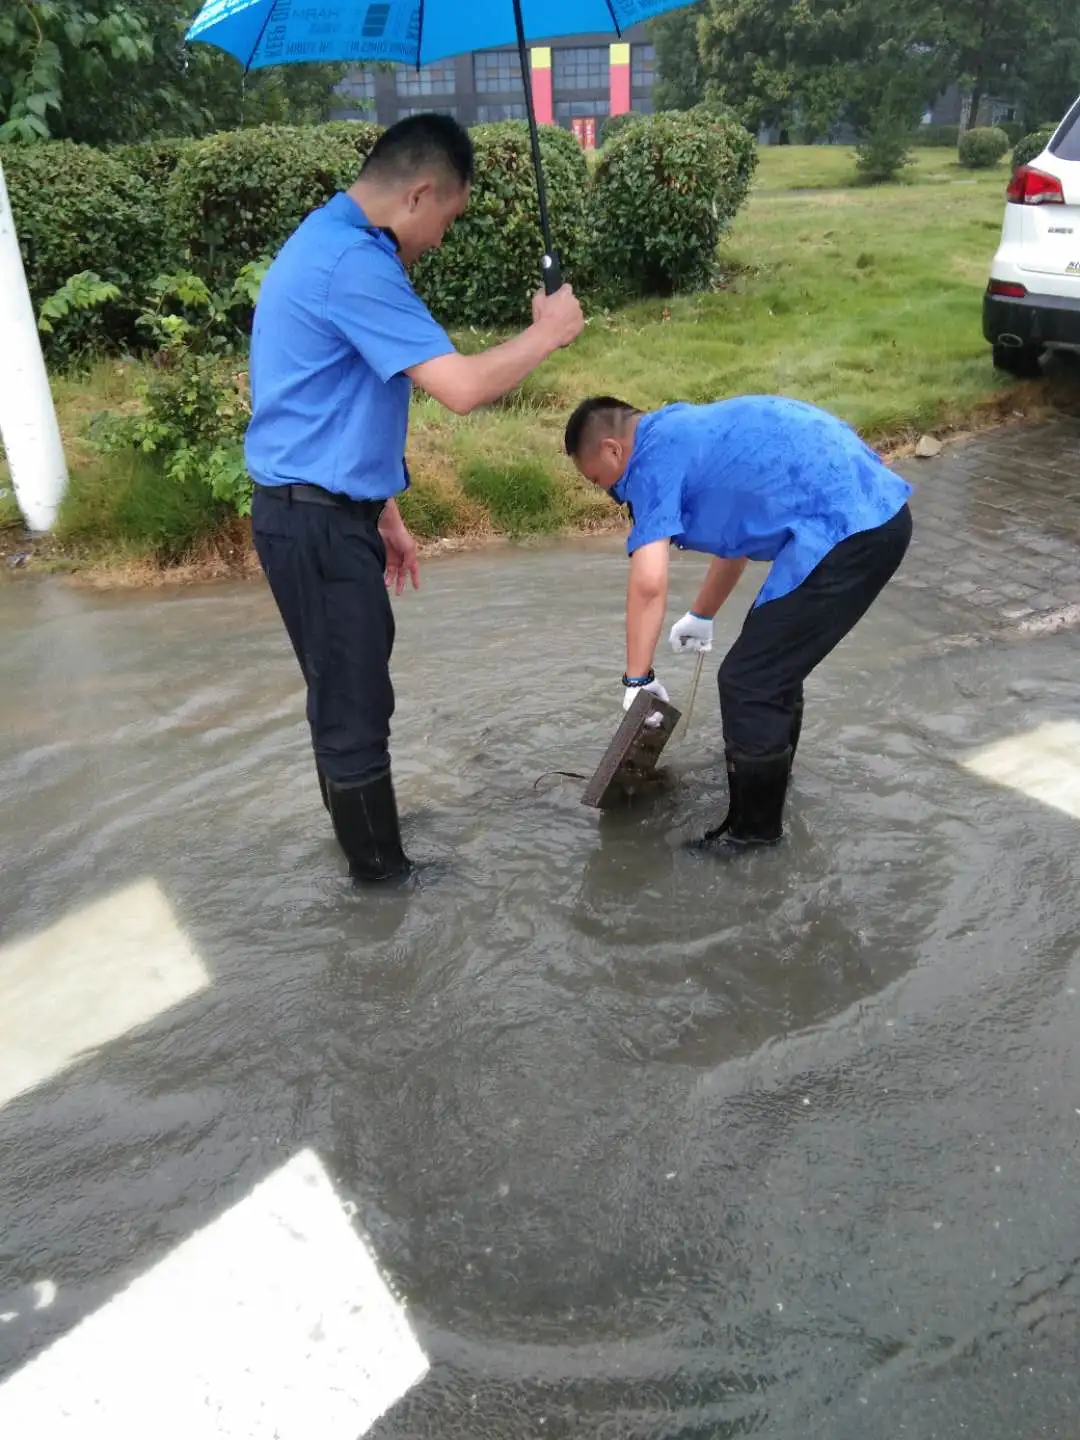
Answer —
272 1323
89 979
1044 764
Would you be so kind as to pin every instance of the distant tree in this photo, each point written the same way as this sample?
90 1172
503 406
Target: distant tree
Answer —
681 80
988 42
819 61
122 72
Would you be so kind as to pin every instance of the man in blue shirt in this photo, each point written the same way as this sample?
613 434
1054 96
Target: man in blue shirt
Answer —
340 335
753 478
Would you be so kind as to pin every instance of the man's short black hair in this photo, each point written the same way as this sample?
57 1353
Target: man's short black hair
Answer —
419 143
593 419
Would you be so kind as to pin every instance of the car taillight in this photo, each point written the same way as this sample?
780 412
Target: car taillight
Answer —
1034 187
1007 290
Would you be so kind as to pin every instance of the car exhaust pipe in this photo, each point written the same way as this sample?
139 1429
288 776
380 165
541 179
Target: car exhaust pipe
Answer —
1010 342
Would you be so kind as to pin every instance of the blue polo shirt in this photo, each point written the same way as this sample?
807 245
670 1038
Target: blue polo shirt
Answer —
336 325
759 476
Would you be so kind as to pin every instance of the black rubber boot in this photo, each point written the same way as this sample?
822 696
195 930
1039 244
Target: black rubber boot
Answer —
322 787
796 726
366 824
757 789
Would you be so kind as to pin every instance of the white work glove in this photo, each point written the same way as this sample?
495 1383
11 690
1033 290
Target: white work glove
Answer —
631 692
691 635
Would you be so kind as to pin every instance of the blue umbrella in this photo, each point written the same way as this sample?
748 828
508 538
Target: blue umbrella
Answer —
412 32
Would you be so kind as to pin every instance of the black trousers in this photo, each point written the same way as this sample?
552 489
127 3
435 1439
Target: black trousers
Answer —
783 640
326 567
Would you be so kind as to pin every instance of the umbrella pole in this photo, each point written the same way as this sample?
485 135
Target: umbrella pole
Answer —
550 263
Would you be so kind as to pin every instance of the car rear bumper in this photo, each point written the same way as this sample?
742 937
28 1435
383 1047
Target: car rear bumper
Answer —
1034 320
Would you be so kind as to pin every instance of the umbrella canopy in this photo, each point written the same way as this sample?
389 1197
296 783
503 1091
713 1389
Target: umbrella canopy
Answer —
403 32
413 32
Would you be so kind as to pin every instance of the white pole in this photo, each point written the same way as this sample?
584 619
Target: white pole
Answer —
28 424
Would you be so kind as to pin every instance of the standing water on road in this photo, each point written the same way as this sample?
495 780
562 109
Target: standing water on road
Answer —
651 1145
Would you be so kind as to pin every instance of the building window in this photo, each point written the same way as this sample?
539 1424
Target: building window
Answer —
496 71
357 85
406 110
566 110
491 114
643 67
583 67
428 80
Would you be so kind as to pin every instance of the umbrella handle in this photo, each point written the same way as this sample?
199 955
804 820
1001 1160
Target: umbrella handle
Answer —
552 272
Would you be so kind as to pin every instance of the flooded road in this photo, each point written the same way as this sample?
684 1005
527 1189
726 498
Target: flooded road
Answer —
651 1146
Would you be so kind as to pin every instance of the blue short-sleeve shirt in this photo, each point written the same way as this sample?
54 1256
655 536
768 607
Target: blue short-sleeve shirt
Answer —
758 476
336 326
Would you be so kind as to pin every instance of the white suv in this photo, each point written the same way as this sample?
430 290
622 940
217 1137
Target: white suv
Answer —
1032 303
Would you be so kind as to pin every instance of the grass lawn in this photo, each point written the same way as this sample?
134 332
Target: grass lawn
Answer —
832 167
863 300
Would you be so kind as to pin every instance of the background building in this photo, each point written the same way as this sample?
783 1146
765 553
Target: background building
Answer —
585 75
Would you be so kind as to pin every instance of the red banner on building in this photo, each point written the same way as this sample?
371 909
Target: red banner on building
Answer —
584 128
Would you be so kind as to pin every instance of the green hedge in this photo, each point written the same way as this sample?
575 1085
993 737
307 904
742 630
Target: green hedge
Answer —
936 137
80 209
614 125
982 149
665 191
240 194
1032 146
489 264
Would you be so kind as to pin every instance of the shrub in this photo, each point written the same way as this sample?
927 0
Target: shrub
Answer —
1032 146
194 404
614 125
939 137
489 264
884 151
153 161
78 209
983 148
237 196
665 191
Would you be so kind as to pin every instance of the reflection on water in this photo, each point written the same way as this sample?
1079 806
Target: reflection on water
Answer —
652 1145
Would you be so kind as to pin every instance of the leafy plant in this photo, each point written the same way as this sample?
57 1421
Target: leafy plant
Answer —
1032 146
76 210
49 50
665 191
983 148
238 195
194 405
84 291
489 265
613 125
884 151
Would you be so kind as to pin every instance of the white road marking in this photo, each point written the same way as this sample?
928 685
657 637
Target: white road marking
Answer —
272 1323
87 980
1043 764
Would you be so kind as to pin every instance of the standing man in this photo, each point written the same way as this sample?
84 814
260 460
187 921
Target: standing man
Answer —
754 478
340 335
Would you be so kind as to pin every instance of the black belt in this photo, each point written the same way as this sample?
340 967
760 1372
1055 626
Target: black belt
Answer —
316 495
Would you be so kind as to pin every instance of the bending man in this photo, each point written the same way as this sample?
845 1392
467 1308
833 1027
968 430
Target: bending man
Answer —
753 478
